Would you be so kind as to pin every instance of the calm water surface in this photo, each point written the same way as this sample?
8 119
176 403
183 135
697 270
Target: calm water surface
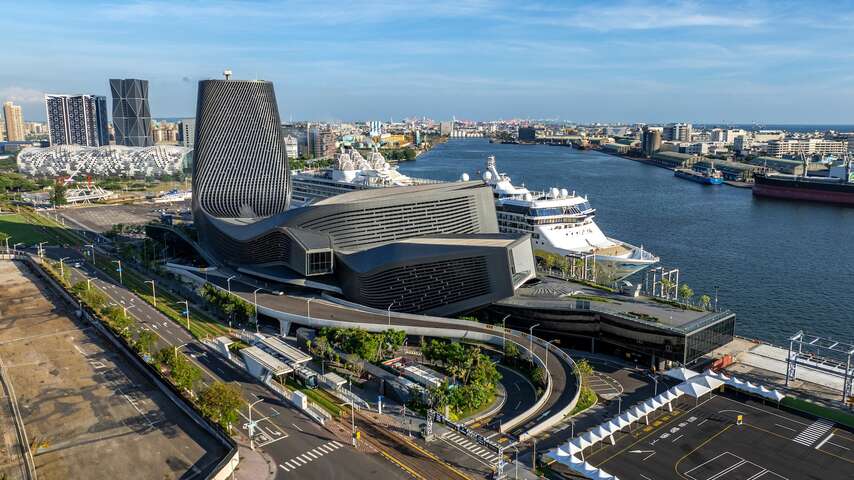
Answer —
781 266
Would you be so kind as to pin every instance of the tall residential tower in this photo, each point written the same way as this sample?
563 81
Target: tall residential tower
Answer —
131 113
77 120
14 121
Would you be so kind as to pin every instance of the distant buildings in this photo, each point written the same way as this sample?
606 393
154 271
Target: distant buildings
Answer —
131 113
291 147
677 132
322 142
187 132
376 128
650 141
165 133
77 120
111 160
446 128
14 122
807 146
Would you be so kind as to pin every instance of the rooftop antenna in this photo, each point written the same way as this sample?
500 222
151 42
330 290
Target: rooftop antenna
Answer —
227 73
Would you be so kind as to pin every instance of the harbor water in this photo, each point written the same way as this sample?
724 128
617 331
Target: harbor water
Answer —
782 266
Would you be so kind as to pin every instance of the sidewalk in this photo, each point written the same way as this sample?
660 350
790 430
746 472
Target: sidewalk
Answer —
254 465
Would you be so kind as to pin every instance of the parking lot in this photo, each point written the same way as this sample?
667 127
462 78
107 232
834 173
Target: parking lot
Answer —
88 412
101 218
704 441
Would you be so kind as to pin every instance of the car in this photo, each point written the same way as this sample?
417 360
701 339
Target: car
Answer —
76 264
278 292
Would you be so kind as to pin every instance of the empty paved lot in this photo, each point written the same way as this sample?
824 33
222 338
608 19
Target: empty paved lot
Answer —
90 413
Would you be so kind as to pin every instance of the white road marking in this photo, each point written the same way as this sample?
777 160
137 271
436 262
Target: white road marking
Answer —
817 447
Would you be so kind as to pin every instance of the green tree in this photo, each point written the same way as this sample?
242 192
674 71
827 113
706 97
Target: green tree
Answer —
221 403
686 293
511 352
184 373
145 340
583 368
57 196
538 376
666 286
705 301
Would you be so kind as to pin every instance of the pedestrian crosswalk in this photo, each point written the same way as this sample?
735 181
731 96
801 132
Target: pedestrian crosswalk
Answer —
310 456
466 443
812 433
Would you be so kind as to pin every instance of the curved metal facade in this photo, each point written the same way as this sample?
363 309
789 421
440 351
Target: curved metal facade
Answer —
240 167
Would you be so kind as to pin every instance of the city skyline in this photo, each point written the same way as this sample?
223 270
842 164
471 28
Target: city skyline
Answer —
632 61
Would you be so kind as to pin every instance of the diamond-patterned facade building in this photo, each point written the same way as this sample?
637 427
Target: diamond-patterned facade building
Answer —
131 113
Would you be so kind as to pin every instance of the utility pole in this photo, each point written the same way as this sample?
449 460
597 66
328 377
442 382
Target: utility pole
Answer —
92 251
119 263
228 281
255 294
61 266
504 332
41 249
251 426
389 314
308 307
186 312
352 407
153 293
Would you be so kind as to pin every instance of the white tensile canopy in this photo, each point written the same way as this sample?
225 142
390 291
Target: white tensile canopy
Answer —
613 426
707 381
695 390
680 373
591 437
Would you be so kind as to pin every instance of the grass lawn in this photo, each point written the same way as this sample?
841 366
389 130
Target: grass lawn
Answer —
17 227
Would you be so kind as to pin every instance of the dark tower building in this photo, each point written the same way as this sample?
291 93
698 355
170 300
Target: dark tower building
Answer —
240 166
131 113
101 127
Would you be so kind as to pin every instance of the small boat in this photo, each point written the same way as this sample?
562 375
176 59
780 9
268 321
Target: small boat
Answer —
711 176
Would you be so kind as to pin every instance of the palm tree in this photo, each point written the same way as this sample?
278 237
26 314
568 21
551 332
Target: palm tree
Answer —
666 285
686 292
705 300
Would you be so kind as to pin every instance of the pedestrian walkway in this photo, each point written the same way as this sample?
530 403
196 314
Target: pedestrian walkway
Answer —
465 443
310 456
812 433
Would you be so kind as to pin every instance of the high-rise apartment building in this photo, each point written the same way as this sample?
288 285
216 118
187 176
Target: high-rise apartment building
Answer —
446 128
77 120
322 142
651 140
131 113
677 132
291 147
14 121
187 132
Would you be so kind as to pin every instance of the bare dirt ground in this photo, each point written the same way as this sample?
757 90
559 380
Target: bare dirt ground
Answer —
87 411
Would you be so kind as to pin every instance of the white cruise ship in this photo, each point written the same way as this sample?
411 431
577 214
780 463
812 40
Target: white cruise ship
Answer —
561 222
351 171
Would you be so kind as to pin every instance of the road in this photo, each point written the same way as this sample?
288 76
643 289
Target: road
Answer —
300 447
563 390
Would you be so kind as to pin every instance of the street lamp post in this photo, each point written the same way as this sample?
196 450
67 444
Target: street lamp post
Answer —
119 263
228 281
62 266
255 294
41 249
516 449
88 284
389 314
547 353
504 332
655 383
308 307
186 312
153 293
716 298
352 407
251 426
6 238
531 338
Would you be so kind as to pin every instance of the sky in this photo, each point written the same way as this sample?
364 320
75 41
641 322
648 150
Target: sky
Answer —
583 61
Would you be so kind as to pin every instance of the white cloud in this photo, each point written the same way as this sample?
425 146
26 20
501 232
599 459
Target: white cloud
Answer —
21 94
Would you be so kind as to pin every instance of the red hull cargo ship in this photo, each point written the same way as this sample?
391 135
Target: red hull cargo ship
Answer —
814 189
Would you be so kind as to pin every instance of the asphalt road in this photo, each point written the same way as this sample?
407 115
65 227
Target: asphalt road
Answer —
300 447
563 387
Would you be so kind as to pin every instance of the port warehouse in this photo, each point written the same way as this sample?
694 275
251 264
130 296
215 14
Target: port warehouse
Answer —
739 171
581 325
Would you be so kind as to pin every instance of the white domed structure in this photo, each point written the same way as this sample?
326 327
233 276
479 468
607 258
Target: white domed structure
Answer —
487 176
464 177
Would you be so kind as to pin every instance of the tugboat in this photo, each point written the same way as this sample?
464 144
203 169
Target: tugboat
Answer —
711 176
